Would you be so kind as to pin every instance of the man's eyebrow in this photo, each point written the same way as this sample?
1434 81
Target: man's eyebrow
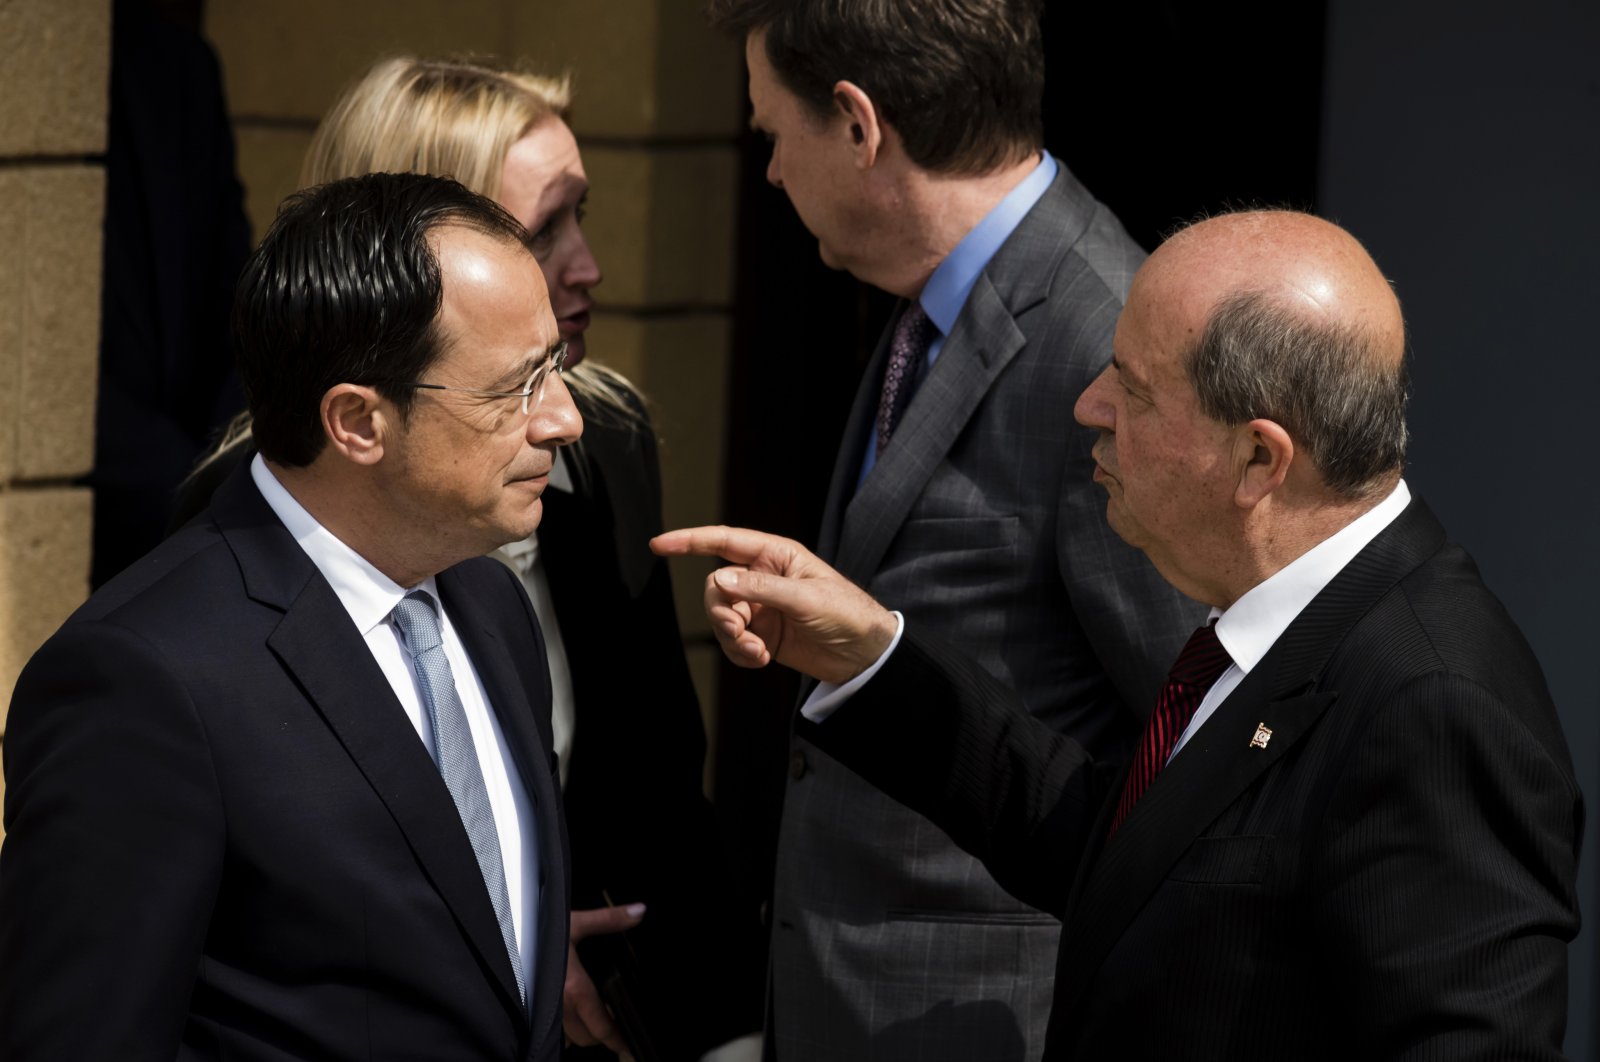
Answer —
524 369
1131 376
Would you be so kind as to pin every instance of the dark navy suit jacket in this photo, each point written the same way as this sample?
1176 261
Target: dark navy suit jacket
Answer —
224 839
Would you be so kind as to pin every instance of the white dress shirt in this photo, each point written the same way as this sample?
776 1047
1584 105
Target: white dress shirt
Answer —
369 597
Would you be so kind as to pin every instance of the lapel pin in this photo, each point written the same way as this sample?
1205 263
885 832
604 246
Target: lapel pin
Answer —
1263 735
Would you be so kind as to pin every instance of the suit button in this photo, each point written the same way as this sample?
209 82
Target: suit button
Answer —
797 764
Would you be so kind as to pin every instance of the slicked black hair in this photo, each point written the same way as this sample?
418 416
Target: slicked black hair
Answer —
961 81
346 288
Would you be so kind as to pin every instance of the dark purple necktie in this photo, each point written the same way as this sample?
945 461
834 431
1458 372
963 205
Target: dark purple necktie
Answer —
1196 670
908 355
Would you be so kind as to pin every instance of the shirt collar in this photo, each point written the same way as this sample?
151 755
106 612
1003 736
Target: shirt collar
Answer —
1253 623
366 593
947 289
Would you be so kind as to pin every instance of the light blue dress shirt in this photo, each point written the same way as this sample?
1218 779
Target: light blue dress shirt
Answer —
947 289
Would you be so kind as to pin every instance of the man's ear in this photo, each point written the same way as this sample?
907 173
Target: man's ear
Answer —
1263 453
866 130
356 420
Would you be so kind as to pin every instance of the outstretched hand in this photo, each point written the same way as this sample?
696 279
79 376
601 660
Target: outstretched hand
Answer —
777 601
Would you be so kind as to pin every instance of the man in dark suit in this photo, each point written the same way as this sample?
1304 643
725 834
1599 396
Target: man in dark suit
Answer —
1350 829
283 789
907 135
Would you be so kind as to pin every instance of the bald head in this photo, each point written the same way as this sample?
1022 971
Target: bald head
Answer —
1287 318
1303 265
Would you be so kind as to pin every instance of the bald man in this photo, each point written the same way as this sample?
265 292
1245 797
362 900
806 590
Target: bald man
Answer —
1350 829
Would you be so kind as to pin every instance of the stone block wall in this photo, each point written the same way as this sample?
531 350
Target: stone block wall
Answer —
55 64
657 110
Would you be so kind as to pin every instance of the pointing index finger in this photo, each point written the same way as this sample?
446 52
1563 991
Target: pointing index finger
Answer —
737 545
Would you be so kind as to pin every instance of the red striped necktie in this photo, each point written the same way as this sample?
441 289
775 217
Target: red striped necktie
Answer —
1196 670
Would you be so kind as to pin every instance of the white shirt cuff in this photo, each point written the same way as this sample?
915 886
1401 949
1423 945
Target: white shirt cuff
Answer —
828 695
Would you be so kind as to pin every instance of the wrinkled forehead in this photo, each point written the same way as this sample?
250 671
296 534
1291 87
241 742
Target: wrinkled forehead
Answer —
1169 303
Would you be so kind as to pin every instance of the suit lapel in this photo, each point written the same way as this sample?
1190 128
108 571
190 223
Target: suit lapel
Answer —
319 645
853 447
1201 782
984 341
859 525
1220 763
516 707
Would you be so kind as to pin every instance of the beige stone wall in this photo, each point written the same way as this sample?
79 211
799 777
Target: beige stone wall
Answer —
55 62
658 107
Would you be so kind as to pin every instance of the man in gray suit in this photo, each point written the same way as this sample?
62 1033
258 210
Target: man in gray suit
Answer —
907 134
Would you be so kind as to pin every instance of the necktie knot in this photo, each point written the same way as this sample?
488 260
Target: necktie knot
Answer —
1202 661
417 618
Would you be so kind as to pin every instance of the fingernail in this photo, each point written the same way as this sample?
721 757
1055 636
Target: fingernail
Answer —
727 578
635 910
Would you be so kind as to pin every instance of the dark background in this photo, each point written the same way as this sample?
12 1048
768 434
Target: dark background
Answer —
1459 141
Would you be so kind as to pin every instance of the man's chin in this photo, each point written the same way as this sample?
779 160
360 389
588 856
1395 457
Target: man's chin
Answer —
1125 529
524 524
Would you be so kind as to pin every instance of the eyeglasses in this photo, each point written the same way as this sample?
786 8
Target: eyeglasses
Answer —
533 389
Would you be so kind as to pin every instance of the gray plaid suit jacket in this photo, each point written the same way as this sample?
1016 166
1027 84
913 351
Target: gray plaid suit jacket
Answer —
981 523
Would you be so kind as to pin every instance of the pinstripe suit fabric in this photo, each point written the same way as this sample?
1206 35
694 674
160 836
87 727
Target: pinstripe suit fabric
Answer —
981 523
1393 877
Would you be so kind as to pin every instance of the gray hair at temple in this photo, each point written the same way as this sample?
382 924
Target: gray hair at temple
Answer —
1340 398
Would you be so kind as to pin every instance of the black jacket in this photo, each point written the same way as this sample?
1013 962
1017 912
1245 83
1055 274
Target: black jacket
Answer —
1392 876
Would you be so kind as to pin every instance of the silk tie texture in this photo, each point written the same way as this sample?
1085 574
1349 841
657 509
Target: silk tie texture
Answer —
908 356
418 621
1196 670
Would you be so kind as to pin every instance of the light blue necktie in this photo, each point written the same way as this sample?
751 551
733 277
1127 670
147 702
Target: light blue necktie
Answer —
418 621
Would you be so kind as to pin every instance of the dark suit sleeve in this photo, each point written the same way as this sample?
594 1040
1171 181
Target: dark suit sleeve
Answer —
113 852
936 732
1444 891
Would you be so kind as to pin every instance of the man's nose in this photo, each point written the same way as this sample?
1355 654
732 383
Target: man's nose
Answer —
1092 409
556 419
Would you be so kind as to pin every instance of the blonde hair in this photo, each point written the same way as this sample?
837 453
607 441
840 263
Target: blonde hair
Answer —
454 119
450 119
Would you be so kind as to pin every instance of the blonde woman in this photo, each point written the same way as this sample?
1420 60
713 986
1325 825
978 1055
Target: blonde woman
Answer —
627 723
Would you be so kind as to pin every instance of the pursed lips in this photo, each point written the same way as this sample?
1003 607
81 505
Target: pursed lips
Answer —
539 477
1100 469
